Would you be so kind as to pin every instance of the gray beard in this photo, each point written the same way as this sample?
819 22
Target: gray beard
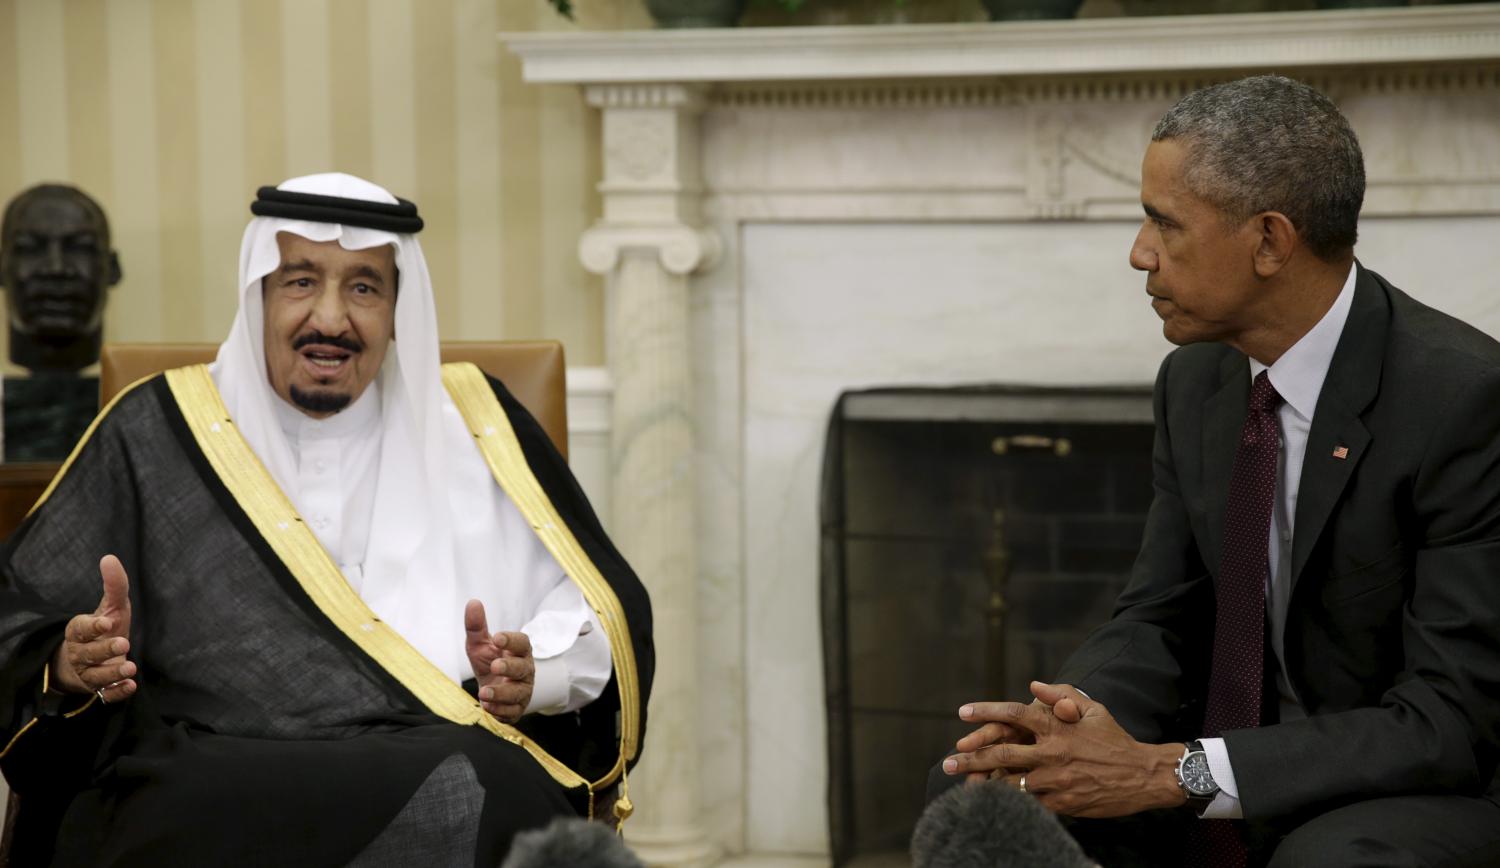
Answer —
320 402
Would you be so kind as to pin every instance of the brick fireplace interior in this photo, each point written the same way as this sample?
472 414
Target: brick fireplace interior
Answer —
971 538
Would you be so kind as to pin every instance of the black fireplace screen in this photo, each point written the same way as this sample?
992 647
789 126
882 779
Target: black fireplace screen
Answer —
971 537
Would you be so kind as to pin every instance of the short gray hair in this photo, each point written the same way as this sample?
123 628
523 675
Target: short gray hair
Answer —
1269 143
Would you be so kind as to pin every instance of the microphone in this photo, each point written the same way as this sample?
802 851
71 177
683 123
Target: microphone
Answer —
570 842
992 825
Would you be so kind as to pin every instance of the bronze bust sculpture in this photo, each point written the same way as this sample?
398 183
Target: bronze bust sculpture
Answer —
56 267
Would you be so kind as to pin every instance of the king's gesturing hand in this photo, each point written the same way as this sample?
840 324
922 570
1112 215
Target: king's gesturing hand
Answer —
502 664
91 658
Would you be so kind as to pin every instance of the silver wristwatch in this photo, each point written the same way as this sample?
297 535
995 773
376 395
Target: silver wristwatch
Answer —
1196 778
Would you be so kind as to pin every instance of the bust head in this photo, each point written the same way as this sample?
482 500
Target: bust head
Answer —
55 265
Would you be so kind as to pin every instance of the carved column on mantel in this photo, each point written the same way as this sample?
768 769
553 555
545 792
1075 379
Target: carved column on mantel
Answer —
647 244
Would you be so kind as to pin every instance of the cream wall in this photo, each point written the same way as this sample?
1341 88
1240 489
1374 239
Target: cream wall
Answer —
172 112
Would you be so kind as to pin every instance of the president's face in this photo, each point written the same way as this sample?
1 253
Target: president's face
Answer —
1200 270
330 316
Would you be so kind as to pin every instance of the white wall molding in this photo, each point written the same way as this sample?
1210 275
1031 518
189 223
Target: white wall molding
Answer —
589 393
590 403
1422 35
1146 86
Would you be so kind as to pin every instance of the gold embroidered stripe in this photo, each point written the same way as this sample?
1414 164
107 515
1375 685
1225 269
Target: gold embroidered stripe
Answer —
67 715
502 451
17 737
274 517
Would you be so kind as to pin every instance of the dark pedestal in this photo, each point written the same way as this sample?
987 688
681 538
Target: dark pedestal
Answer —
20 486
45 414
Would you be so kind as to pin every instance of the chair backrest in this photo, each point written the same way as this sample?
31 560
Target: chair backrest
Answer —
533 371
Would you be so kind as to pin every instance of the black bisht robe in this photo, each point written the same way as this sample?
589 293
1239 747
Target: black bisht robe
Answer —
269 727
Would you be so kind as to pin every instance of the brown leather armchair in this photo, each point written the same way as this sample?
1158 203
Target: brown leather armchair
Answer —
533 371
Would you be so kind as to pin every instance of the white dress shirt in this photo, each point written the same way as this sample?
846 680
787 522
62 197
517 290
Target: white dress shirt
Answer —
1298 377
338 467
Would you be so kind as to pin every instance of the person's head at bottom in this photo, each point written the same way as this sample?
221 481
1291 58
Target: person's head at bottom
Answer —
569 842
992 825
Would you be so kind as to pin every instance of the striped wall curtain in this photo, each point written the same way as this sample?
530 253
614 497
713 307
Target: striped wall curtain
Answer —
172 112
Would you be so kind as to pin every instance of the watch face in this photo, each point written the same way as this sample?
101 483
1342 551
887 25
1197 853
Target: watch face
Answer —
1196 777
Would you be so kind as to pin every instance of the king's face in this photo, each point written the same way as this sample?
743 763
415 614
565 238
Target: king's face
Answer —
330 315
57 264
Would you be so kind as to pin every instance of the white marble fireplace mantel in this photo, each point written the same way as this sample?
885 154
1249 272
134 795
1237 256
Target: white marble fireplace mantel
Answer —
1113 46
789 213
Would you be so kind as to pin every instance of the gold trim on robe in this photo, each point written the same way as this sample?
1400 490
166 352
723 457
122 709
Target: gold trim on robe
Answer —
274 517
67 715
497 441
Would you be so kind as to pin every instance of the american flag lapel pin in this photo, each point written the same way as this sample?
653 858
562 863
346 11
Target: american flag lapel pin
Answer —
1341 452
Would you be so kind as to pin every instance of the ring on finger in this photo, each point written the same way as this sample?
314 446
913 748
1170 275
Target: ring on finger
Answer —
99 692
1023 783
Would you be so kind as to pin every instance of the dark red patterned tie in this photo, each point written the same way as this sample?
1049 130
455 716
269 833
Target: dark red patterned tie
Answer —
1234 683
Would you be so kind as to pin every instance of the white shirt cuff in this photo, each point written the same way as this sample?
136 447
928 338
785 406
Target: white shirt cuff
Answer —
549 692
560 619
1226 805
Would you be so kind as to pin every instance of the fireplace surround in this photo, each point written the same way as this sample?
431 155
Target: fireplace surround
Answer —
971 538
791 214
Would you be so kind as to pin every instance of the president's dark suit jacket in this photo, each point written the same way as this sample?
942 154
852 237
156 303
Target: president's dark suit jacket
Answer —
1392 640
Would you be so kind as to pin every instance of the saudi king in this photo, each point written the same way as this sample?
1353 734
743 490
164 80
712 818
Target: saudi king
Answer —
323 602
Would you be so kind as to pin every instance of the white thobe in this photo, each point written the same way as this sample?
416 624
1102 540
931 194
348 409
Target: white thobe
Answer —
338 464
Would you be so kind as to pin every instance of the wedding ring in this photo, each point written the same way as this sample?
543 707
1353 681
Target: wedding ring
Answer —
99 692
1023 783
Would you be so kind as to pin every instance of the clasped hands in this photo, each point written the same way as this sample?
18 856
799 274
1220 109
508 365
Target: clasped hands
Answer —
1075 759
92 656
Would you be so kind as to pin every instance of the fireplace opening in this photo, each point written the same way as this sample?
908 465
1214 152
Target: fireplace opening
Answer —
971 538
